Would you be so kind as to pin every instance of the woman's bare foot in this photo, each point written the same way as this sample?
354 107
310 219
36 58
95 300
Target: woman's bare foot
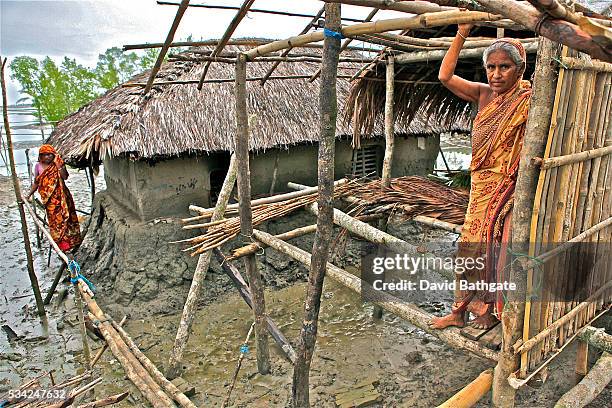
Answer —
485 321
451 319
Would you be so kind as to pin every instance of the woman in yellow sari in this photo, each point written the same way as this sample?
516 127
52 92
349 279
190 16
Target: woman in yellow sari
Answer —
49 176
497 139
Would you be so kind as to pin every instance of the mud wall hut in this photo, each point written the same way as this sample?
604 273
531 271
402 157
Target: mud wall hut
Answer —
171 148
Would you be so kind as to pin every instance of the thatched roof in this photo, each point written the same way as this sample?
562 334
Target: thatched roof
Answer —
178 119
418 93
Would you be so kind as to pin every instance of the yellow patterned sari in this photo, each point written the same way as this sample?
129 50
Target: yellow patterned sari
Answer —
497 139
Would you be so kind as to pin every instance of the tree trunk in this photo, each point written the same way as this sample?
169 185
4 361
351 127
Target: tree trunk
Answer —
320 248
182 334
538 125
241 146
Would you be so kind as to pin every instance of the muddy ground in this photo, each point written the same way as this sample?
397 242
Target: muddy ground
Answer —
410 367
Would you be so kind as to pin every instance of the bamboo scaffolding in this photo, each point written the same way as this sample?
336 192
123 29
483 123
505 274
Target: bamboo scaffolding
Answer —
162 53
405 310
241 143
242 11
421 21
20 204
175 364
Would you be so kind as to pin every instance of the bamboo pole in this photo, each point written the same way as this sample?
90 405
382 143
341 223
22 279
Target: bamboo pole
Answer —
572 158
105 346
345 44
328 111
469 395
577 63
437 55
162 53
251 42
159 378
238 365
241 143
535 136
421 21
389 122
175 365
207 212
103 402
582 360
591 385
20 202
218 81
556 30
226 36
392 304
281 58
412 7
56 280
311 24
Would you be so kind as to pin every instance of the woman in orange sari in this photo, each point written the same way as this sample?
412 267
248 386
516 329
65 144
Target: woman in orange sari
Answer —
49 176
497 139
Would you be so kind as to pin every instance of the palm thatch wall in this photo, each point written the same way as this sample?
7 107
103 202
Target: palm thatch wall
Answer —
178 119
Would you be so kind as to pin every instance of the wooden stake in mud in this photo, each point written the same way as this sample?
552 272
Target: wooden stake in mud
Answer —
320 248
24 225
182 335
241 142
538 125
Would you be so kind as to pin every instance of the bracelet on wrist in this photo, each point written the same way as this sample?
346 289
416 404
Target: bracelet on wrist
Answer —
461 35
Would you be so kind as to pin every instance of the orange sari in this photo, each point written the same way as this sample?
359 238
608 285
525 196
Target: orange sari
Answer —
497 139
61 213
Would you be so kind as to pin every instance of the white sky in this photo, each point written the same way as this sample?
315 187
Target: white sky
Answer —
82 29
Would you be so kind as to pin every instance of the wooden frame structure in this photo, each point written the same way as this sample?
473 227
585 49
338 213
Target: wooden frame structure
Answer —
574 164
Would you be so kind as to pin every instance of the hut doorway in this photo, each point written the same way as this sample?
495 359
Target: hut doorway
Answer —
217 176
367 161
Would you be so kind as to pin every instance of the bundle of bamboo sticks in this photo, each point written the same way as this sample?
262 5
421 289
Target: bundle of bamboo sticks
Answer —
411 195
30 394
224 230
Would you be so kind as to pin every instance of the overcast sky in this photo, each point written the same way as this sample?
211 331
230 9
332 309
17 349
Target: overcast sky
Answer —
82 29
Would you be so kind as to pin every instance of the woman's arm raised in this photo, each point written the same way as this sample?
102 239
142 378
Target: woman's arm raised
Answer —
466 90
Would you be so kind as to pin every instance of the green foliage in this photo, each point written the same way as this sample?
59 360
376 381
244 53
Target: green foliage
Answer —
60 90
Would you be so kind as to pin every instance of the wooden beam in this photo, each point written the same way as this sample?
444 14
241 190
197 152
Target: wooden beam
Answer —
596 337
438 55
556 30
591 385
572 158
162 53
401 308
241 150
226 36
422 21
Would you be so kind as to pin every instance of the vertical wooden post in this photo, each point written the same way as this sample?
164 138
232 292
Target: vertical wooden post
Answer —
24 225
241 149
92 186
328 107
389 148
175 366
538 125
582 360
